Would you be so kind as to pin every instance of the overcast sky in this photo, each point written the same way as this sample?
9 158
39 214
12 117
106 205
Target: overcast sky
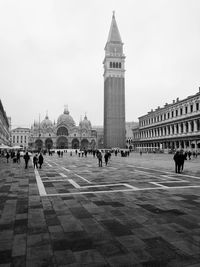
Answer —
51 55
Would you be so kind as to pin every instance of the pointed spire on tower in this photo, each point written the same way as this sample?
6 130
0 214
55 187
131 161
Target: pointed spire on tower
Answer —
114 35
85 118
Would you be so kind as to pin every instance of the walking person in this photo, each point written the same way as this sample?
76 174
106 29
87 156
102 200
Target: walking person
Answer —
189 155
40 160
182 160
35 161
26 159
106 156
99 156
7 156
177 160
18 156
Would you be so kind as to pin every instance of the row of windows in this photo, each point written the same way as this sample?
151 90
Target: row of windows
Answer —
171 114
17 139
115 65
167 130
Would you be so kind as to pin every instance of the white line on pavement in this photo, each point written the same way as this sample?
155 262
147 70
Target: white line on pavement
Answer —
124 190
40 184
171 173
82 178
48 164
49 181
62 174
65 169
158 184
74 183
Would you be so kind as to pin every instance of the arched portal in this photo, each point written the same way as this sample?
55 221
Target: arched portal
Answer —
84 144
62 142
38 144
48 143
75 143
62 131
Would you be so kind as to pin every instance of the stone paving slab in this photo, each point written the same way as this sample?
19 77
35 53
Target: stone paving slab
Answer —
134 212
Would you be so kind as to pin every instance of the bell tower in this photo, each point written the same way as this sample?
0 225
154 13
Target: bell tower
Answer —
114 89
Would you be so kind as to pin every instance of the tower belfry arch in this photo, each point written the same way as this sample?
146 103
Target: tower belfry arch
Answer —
114 89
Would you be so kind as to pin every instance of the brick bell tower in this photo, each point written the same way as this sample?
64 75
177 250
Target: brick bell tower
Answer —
114 89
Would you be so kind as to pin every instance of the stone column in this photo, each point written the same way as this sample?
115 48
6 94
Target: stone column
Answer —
179 144
195 125
167 132
171 130
184 127
175 146
189 127
179 128
175 132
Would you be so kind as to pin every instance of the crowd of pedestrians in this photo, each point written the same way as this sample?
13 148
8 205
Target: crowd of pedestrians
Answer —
15 157
179 157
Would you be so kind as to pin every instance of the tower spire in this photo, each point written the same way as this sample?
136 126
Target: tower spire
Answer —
114 35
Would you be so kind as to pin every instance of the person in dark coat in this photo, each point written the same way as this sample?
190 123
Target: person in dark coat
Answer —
182 160
99 156
40 160
189 155
177 159
7 156
106 156
35 161
18 157
26 159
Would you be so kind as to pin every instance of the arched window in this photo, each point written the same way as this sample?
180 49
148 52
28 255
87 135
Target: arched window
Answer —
62 131
181 127
177 128
120 65
186 127
192 126
116 65
110 64
113 64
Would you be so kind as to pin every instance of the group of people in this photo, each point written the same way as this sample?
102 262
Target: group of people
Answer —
15 156
179 159
38 159
106 157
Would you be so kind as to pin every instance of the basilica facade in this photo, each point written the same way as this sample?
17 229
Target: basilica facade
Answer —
62 134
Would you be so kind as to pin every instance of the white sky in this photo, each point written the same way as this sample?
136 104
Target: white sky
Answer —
51 55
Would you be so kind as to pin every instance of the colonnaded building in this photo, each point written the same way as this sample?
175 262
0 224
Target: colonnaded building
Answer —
63 134
20 137
4 126
174 126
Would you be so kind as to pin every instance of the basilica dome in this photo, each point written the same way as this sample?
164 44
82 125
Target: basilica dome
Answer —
46 123
65 119
85 123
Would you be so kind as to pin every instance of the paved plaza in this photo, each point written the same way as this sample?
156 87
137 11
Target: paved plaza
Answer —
134 212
